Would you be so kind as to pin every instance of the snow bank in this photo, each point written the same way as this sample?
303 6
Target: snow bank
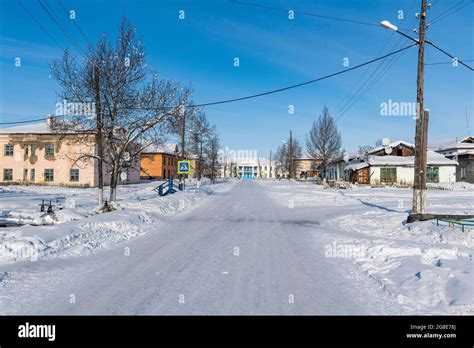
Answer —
422 265
83 229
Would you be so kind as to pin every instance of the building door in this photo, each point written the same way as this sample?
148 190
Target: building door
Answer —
363 176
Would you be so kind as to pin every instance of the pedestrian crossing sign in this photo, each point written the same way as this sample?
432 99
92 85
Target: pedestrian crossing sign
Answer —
183 167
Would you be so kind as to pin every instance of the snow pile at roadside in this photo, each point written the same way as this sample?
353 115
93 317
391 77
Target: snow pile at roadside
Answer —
454 186
422 265
140 211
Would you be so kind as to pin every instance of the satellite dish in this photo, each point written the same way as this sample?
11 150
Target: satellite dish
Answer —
388 150
385 141
346 157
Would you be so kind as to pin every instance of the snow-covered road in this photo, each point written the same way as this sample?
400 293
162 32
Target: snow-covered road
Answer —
241 252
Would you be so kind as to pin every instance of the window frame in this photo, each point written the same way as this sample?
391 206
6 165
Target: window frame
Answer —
7 152
10 170
385 178
47 149
76 170
46 176
429 173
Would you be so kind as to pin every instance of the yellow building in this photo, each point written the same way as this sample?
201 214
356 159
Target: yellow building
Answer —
33 154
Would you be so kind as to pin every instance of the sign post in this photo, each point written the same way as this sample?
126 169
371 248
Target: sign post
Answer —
184 167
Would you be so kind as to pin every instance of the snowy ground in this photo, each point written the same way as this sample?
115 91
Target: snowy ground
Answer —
425 267
240 247
79 227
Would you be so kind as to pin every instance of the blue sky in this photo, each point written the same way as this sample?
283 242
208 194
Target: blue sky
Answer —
273 52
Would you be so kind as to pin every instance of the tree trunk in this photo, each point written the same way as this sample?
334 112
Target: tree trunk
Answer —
113 183
100 150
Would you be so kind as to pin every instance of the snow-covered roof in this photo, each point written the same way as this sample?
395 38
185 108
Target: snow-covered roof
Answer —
433 158
356 166
452 144
62 127
35 128
356 154
170 149
392 145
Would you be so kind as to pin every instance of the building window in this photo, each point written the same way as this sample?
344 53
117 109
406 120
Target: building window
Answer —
7 174
8 150
25 174
33 150
49 150
26 150
463 173
49 175
74 174
32 174
432 174
388 175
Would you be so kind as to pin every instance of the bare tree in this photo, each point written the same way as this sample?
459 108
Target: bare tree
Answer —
133 105
213 156
199 137
287 154
324 140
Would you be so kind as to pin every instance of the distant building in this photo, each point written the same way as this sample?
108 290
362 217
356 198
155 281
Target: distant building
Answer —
159 162
34 154
461 151
305 167
251 168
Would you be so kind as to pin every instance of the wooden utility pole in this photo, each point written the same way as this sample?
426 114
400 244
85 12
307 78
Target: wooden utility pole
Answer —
100 126
419 183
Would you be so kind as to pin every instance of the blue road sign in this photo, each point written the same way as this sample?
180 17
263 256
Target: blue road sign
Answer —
183 167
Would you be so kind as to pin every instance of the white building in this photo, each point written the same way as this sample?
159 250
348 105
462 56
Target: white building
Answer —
392 164
251 168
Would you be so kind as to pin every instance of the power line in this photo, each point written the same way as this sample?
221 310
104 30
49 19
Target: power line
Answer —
63 29
303 83
226 101
449 55
343 108
306 13
84 35
39 24
450 62
450 11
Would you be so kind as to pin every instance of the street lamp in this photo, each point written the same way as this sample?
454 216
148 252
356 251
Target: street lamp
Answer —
387 25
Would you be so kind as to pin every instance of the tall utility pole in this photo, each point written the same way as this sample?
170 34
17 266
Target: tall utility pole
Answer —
290 166
419 183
